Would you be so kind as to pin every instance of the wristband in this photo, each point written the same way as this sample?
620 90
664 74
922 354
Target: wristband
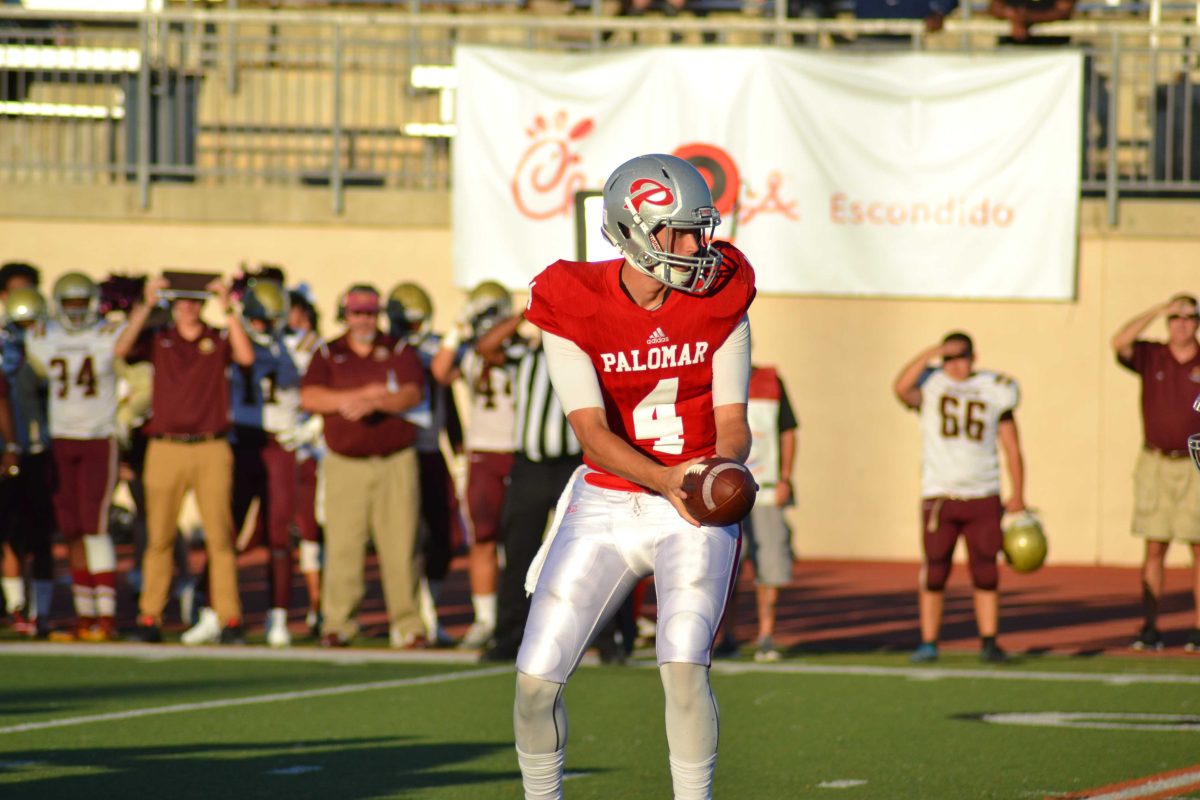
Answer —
452 340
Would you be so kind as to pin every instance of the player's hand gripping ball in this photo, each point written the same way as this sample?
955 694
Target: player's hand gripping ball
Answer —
720 491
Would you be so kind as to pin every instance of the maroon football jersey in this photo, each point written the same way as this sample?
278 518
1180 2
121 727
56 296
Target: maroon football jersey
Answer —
655 367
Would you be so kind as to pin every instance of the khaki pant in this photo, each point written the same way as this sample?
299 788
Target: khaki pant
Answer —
378 497
172 468
1166 498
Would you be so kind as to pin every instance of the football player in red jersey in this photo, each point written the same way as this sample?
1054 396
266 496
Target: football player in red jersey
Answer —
650 357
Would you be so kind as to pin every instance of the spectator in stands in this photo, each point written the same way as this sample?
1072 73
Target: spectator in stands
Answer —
1165 486
933 12
489 439
1024 14
30 519
362 382
767 535
965 416
188 425
547 454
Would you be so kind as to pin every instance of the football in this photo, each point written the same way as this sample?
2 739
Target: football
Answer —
720 491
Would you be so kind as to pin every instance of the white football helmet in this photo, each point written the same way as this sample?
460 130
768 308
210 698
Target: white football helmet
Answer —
656 192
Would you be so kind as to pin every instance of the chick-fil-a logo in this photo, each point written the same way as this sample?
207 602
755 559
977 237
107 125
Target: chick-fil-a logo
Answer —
546 178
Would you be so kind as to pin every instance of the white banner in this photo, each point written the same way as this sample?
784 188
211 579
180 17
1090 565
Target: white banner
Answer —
914 175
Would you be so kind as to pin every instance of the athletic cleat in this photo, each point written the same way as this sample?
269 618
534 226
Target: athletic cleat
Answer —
477 636
206 631
992 653
147 631
1192 645
925 653
63 635
105 630
23 625
766 651
647 630
232 634
277 628
1148 639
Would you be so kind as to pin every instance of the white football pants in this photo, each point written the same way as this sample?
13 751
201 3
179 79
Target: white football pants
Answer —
606 542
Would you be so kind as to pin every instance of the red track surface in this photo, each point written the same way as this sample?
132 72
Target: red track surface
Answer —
834 606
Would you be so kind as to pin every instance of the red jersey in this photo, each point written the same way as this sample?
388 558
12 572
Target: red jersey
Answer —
655 367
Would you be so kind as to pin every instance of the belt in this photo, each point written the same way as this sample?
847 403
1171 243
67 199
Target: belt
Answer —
188 438
1173 454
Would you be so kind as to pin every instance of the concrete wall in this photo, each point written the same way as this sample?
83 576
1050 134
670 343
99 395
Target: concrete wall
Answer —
857 475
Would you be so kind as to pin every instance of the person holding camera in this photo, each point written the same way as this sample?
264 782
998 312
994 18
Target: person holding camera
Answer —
188 448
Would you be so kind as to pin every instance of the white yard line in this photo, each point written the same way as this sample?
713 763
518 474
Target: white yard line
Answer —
170 652
941 673
208 705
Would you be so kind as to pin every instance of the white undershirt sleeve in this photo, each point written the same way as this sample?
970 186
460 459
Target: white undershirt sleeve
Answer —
731 367
572 373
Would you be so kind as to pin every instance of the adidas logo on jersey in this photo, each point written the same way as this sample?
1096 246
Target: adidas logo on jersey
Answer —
658 337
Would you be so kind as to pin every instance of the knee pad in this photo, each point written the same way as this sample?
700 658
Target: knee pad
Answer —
984 574
310 556
100 553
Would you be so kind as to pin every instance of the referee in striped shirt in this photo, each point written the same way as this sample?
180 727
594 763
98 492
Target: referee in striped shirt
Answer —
547 452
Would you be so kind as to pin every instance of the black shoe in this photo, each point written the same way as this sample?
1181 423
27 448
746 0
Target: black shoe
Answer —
500 652
1193 642
1148 639
147 633
233 634
727 648
992 653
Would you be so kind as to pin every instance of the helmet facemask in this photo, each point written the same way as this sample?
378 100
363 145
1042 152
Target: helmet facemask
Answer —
77 313
647 203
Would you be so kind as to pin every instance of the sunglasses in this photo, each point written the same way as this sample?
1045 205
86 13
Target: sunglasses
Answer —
1189 317
955 357
361 313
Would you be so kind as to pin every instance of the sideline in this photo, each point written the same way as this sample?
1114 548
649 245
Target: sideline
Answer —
171 652
940 673
328 691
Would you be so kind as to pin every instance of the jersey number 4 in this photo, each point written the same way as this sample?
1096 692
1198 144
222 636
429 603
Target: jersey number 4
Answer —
655 418
85 379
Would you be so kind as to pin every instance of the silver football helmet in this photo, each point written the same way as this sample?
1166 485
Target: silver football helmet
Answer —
654 193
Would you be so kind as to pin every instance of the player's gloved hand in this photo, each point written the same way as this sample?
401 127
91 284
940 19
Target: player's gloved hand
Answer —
670 486
306 433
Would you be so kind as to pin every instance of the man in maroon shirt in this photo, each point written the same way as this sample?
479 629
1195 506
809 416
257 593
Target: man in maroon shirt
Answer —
188 421
361 383
1166 487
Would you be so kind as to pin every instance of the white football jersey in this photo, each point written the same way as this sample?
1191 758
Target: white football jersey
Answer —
81 370
959 420
493 420
301 346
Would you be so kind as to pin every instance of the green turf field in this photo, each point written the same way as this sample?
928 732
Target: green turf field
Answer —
819 727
